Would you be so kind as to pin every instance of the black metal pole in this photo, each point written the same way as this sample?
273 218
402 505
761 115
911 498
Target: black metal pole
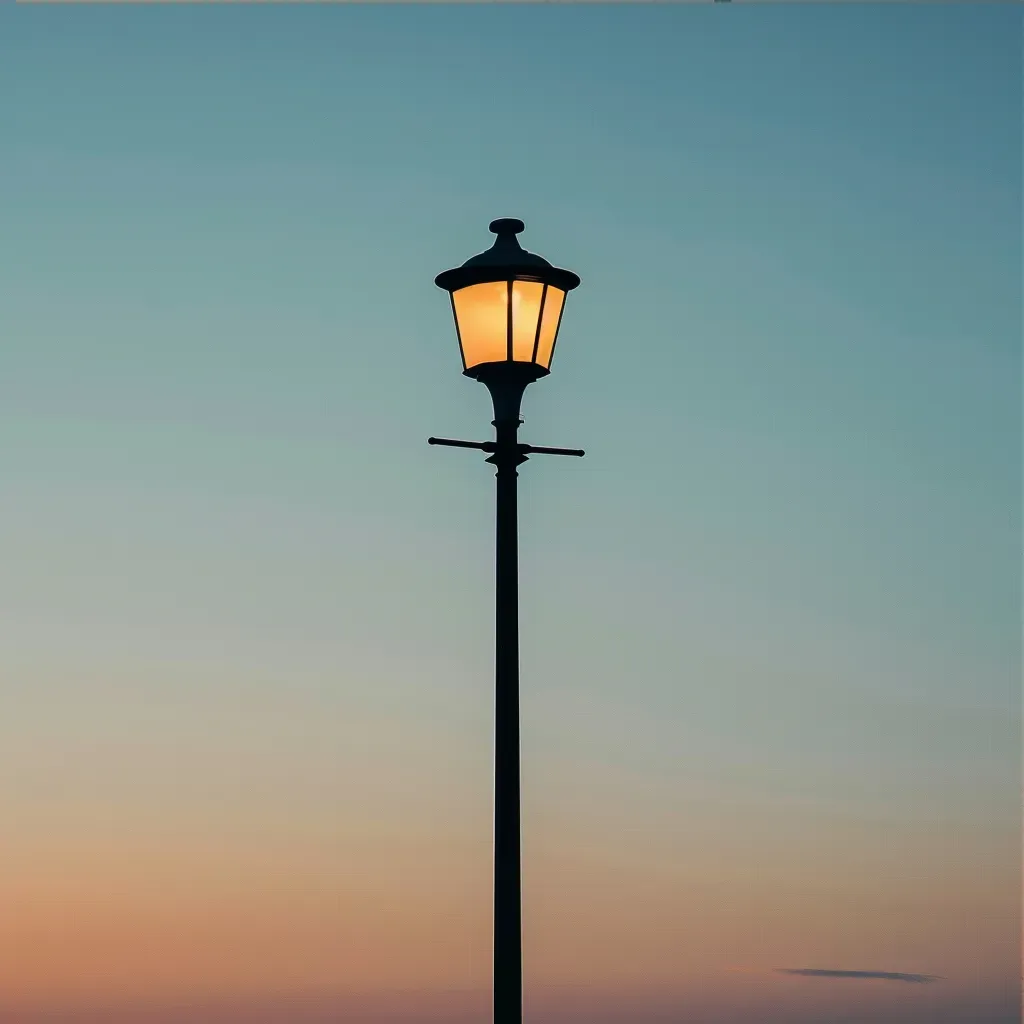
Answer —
506 383
508 955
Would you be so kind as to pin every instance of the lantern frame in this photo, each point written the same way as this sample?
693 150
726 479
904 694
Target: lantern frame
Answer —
506 262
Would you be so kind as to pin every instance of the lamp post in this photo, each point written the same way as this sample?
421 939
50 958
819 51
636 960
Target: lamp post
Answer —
508 305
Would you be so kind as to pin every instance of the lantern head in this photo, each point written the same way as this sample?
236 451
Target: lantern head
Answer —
508 305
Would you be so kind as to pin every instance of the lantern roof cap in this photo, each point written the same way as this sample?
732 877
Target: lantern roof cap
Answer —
506 259
506 249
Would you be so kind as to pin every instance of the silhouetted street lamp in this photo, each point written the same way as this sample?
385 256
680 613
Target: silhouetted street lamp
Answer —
508 307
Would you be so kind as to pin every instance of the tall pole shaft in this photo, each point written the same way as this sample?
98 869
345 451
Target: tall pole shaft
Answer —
508 965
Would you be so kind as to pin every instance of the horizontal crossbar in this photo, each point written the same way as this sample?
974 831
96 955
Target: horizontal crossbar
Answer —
486 446
491 446
529 449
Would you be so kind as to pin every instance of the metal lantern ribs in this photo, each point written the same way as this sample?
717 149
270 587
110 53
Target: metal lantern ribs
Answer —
508 307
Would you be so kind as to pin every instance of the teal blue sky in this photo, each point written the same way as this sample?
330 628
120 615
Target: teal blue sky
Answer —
771 623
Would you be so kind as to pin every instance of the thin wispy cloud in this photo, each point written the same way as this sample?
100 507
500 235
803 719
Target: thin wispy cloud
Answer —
913 979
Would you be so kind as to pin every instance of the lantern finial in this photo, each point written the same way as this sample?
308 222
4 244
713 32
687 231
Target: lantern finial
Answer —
506 226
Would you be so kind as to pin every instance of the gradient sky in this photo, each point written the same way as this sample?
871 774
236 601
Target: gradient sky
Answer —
770 624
